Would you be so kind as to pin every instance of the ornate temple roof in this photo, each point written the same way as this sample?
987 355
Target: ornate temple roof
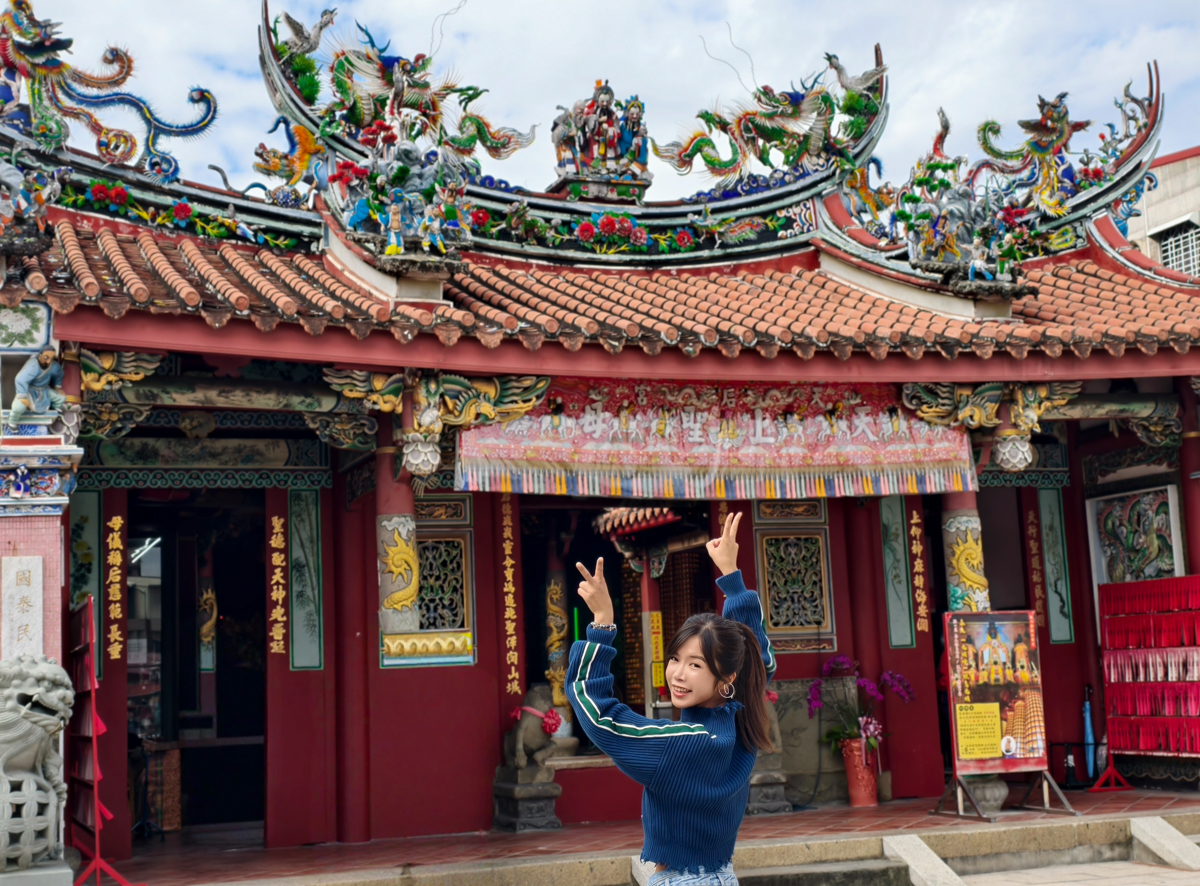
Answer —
811 258
1081 303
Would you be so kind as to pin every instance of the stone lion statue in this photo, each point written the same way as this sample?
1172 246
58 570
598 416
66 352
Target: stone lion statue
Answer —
36 698
528 740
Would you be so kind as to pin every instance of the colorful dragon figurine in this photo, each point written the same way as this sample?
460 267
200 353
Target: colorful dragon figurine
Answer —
794 124
31 49
294 163
1041 163
729 229
370 85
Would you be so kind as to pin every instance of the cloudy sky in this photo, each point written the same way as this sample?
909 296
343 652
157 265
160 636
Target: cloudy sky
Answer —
977 60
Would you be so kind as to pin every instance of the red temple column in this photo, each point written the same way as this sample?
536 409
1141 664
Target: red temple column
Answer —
395 535
558 547
1189 464
652 638
962 542
356 645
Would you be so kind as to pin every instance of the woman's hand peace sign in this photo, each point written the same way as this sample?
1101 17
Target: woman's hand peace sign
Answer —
724 550
594 591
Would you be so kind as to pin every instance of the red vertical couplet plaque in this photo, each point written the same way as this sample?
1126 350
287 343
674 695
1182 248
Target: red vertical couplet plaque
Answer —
917 561
112 698
510 645
1034 562
277 576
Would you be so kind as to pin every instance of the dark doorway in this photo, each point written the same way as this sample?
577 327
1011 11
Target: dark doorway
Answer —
197 655
571 526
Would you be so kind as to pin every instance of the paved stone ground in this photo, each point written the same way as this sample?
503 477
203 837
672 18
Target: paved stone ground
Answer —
236 854
1113 873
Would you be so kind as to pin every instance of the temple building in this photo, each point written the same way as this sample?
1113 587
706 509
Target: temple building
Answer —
331 445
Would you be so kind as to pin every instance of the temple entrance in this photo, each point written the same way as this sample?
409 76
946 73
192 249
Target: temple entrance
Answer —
197 658
557 533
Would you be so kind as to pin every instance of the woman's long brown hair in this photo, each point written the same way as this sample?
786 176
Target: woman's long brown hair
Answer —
730 647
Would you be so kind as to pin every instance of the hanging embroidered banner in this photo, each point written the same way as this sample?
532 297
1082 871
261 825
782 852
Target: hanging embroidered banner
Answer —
693 441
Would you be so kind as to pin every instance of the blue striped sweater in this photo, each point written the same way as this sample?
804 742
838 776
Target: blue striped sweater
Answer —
696 772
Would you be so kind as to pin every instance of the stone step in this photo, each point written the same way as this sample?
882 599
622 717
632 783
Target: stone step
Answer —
865 872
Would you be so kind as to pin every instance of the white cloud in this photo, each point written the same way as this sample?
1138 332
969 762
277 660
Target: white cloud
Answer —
978 61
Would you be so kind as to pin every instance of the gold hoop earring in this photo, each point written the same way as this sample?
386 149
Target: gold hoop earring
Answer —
728 686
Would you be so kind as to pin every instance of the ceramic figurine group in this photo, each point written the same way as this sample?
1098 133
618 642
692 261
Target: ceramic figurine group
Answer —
601 135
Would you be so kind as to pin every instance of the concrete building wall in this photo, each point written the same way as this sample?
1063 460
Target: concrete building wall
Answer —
1175 200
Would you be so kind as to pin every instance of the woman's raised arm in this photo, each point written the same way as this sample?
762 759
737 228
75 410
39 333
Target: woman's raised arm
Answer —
740 604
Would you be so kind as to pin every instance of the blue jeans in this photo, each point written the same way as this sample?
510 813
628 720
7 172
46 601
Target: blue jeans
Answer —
723 876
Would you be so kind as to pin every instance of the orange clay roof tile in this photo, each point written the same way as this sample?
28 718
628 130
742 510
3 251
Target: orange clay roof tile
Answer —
1075 302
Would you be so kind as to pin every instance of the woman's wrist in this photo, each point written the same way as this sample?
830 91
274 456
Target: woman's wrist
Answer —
603 618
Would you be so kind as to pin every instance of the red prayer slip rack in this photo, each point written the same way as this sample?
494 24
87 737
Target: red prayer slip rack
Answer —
85 812
1150 637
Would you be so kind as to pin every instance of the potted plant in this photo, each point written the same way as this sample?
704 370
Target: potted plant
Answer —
857 732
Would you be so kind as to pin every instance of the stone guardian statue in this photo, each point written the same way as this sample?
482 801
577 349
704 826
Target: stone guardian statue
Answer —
36 698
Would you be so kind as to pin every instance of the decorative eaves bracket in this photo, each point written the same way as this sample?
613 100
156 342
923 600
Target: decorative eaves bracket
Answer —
440 402
1154 418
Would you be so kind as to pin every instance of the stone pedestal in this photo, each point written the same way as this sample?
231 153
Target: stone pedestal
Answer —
767 786
565 746
50 873
990 794
524 799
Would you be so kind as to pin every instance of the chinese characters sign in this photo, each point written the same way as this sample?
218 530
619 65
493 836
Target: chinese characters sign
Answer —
677 440
114 584
277 588
1033 560
22 606
512 680
916 550
999 721
657 674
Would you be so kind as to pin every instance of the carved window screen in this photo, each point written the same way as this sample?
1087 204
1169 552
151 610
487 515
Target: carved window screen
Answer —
443 597
794 584
445 602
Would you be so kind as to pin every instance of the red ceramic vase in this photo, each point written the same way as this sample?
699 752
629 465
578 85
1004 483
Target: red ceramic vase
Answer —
861 778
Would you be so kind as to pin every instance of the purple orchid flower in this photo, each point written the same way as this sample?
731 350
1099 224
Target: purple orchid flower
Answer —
814 698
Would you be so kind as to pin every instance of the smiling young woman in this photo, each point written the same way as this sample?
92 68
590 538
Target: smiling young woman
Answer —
696 772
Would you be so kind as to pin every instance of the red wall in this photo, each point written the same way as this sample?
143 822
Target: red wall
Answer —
597 795
433 757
